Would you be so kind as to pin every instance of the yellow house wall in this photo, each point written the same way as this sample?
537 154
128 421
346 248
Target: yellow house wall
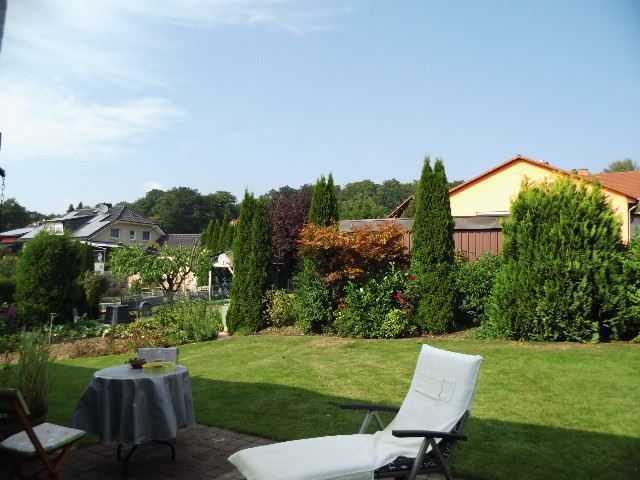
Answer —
105 235
495 193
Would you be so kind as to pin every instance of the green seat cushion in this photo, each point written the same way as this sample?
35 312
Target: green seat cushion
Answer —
52 437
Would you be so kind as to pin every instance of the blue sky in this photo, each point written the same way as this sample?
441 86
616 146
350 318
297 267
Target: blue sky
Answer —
103 100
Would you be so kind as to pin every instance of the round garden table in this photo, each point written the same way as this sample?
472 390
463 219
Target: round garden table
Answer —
133 406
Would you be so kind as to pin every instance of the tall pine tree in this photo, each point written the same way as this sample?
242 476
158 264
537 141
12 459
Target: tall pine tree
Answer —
229 235
241 264
259 277
221 241
324 204
213 237
433 250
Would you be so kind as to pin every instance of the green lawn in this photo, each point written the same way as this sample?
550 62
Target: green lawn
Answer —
561 411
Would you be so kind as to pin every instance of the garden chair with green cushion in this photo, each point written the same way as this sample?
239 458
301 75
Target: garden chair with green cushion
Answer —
419 440
47 442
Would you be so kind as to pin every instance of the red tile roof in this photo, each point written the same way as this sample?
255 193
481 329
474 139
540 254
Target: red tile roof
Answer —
625 182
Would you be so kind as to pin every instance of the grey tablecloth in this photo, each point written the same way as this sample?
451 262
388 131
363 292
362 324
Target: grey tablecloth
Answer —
133 406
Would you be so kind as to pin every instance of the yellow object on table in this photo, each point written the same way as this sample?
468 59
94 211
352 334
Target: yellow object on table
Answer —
159 367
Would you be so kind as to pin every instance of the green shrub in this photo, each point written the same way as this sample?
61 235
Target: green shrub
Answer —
474 284
377 309
561 272
46 279
312 301
94 284
8 264
279 307
173 324
628 324
82 327
7 290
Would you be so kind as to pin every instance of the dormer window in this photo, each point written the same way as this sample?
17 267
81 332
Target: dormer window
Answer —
115 233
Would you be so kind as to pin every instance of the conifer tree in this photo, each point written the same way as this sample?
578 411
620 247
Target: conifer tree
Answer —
229 236
204 236
561 266
330 202
241 263
213 237
316 201
324 204
433 250
221 241
259 276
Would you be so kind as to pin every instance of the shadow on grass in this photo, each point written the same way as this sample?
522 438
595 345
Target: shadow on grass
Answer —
495 450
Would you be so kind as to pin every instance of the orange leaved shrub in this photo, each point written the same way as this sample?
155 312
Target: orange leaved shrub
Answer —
357 255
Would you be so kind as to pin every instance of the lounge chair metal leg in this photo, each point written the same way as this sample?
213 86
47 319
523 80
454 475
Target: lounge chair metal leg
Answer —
443 462
365 424
419 459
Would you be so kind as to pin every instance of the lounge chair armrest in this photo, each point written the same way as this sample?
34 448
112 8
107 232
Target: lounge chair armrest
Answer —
369 407
428 434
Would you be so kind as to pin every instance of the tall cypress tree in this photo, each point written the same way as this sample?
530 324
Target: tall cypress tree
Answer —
204 236
259 268
213 237
324 204
433 250
241 263
228 236
317 200
330 202
221 245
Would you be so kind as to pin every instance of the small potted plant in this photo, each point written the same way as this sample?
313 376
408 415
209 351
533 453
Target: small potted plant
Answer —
136 363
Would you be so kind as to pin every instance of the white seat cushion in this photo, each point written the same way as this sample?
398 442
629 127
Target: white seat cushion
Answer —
52 437
343 457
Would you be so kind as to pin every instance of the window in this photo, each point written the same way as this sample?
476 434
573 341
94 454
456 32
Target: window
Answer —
115 233
146 236
132 234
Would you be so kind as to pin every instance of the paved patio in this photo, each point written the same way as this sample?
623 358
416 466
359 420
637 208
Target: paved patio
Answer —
201 453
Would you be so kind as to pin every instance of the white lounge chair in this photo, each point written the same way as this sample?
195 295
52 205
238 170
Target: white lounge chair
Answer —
420 439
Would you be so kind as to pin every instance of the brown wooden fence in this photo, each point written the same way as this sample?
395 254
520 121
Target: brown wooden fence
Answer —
476 242
472 241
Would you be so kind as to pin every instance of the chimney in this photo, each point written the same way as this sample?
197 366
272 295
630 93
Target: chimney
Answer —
583 172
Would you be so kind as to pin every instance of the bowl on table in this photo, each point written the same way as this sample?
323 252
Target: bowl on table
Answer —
136 362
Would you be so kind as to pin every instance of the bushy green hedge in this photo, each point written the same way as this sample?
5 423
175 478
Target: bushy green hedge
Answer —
173 324
473 285
377 308
312 301
46 279
561 274
629 313
279 309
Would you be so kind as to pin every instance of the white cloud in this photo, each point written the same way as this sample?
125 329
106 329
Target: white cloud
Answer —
291 15
73 70
45 122
152 185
